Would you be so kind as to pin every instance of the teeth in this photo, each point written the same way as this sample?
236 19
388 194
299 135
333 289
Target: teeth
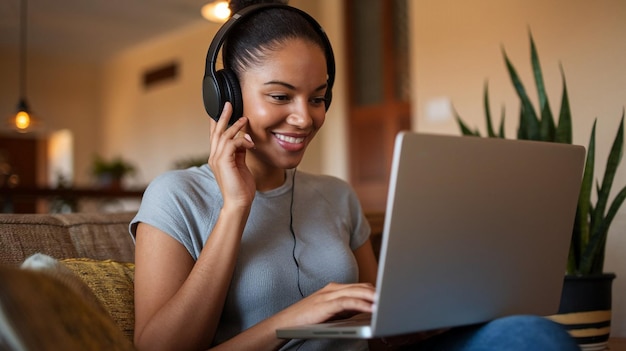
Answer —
289 139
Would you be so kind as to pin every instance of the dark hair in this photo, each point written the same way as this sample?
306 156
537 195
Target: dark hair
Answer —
249 42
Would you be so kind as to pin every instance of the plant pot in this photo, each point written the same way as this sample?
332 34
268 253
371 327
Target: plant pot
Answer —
585 310
110 182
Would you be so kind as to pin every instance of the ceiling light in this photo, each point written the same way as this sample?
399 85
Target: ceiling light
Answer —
216 11
23 121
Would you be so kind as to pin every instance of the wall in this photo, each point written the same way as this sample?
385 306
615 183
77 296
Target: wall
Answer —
63 94
155 127
457 46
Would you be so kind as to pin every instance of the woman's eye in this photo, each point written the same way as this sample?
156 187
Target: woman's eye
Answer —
318 100
279 97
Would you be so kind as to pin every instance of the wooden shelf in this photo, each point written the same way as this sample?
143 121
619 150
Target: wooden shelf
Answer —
24 199
41 192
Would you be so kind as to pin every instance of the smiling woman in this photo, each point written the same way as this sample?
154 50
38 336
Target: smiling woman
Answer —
310 245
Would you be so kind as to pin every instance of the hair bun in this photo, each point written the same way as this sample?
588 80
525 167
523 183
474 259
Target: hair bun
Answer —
237 5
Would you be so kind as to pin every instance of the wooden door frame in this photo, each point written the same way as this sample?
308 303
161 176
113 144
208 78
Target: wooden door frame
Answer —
372 128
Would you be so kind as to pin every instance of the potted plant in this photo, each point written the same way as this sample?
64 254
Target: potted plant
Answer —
585 274
109 173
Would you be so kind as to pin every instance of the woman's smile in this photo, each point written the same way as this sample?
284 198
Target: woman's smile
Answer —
289 139
290 142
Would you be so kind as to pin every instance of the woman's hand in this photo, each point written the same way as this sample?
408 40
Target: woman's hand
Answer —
228 159
331 302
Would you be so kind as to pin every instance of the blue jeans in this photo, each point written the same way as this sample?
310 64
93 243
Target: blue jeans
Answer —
516 333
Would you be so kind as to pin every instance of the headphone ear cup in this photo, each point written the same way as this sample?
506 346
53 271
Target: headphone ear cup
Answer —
213 102
216 92
233 93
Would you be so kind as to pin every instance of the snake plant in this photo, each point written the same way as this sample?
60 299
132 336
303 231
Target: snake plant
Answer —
588 244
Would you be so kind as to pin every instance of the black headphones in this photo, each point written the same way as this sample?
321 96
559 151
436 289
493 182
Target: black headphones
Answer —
221 86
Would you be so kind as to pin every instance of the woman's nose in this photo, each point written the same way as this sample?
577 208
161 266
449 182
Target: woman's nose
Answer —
300 117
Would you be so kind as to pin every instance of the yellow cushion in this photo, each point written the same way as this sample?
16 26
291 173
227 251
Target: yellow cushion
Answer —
113 285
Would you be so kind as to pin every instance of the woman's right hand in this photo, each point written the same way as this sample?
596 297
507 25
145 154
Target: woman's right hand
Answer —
228 159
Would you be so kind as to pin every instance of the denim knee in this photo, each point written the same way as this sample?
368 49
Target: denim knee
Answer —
514 333
536 333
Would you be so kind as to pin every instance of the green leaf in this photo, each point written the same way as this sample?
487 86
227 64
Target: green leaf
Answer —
529 123
490 131
465 130
584 205
592 258
615 206
547 129
564 129
597 264
615 156
541 89
547 126
574 250
501 131
522 129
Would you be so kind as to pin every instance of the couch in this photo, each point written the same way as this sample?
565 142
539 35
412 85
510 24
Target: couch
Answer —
82 298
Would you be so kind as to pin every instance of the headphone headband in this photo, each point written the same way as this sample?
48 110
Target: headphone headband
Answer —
223 85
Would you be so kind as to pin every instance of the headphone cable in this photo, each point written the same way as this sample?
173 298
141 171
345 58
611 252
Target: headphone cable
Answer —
293 233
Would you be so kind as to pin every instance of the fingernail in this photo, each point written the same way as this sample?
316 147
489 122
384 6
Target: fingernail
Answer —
248 138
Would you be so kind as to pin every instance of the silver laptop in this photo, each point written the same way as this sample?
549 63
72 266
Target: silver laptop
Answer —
475 229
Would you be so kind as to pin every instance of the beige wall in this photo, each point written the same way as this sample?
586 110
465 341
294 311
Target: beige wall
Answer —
155 127
456 46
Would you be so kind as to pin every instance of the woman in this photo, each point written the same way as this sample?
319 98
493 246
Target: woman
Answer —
246 198
228 252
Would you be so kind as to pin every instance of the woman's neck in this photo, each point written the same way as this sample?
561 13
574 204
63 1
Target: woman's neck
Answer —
266 178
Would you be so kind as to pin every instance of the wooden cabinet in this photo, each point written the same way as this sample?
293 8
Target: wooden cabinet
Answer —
20 166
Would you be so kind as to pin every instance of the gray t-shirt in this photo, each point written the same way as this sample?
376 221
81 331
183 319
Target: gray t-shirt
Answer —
327 221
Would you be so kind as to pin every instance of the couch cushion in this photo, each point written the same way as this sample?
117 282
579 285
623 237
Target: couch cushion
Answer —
40 312
98 236
113 285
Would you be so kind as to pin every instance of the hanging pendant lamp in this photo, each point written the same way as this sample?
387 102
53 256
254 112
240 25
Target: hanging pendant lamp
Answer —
216 11
23 121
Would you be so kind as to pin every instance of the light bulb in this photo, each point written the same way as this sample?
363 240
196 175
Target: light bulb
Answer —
22 120
216 11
